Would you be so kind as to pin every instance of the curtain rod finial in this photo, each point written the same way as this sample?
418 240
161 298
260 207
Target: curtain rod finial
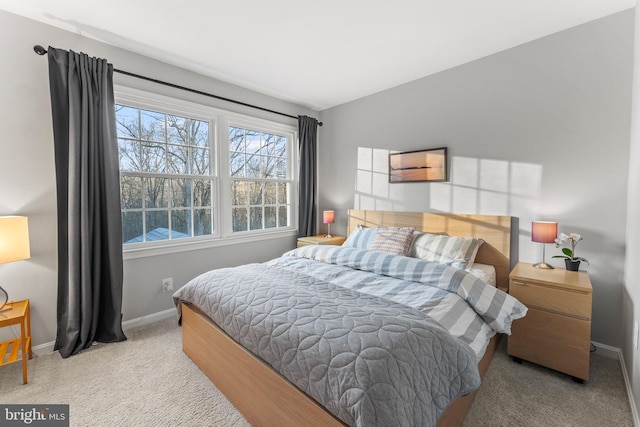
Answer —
39 50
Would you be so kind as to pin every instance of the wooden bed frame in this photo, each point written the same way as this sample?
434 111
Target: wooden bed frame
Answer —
266 398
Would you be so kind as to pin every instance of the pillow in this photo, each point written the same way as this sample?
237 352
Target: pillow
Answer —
361 237
393 240
459 252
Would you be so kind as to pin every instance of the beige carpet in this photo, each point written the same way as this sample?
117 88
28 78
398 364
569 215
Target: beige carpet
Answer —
148 381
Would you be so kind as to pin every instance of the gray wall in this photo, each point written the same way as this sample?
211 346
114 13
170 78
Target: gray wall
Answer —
540 131
631 294
27 174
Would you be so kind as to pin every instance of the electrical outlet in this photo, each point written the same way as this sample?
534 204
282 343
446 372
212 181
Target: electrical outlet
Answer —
167 284
635 335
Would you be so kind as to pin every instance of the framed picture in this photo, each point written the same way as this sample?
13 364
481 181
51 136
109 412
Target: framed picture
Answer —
418 166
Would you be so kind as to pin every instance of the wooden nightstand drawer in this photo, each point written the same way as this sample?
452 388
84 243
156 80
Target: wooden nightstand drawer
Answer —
552 340
562 301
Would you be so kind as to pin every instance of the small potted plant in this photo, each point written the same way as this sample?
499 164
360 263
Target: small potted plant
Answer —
571 261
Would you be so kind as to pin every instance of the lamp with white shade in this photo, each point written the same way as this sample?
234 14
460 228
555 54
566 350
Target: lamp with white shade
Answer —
544 232
14 243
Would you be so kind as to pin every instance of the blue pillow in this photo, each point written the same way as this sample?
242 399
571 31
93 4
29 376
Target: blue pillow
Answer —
361 237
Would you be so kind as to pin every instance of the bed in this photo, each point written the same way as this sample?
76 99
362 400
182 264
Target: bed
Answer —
262 388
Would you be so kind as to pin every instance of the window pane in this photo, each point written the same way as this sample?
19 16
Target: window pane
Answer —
156 193
281 146
281 168
157 225
252 142
269 167
268 144
127 122
255 193
283 193
239 216
270 197
236 139
180 224
154 157
177 130
129 155
177 160
200 163
131 192
152 126
283 216
255 219
132 227
202 221
270 219
181 193
199 133
202 192
236 164
238 193
252 168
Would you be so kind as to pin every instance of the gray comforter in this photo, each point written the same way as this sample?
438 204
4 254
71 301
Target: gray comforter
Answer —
368 360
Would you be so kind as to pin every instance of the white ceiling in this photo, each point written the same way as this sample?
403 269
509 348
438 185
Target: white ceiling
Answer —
318 54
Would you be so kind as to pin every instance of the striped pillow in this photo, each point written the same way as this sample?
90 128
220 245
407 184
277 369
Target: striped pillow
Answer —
361 237
459 252
393 240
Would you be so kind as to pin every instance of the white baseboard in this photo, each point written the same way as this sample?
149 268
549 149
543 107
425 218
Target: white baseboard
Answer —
616 353
150 318
47 348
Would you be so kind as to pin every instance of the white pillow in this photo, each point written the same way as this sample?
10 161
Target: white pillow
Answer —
361 237
459 252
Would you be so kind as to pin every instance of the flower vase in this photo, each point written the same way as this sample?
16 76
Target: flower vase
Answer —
572 265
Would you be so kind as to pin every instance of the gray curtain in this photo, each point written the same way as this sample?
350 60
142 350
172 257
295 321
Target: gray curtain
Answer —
307 136
88 194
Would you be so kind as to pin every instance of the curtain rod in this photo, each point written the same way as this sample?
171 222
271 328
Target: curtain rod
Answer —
42 51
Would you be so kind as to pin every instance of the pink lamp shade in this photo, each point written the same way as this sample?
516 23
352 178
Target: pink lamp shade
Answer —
328 217
544 231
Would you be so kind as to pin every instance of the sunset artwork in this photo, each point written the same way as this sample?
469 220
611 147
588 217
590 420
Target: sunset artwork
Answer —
423 165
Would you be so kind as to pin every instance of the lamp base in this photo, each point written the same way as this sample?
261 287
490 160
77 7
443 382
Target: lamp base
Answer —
328 236
543 265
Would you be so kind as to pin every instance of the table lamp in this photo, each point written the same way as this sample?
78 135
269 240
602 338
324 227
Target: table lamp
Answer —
544 232
328 217
14 243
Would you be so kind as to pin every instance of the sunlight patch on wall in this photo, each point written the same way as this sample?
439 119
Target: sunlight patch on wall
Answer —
475 186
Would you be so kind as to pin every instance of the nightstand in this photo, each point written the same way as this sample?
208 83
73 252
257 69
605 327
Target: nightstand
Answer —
556 332
16 313
320 239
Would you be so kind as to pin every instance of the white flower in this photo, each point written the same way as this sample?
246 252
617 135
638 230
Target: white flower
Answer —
561 239
575 237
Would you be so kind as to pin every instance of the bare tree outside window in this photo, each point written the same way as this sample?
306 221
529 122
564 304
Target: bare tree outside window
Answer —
166 179
259 182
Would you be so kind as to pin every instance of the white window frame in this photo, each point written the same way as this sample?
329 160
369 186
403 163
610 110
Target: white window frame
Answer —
219 121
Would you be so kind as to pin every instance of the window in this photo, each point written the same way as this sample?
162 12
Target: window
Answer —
196 176
260 188
165 175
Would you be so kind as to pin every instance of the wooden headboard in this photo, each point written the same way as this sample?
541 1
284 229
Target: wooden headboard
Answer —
500 233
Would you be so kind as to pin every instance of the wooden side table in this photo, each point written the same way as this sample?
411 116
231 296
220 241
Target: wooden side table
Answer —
556 332
320 239
16 313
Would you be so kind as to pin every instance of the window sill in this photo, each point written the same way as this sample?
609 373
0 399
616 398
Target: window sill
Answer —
175 246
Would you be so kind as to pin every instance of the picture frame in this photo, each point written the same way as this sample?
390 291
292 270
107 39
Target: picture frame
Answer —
429 165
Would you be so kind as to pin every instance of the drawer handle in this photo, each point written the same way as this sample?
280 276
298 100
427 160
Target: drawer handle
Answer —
516 282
